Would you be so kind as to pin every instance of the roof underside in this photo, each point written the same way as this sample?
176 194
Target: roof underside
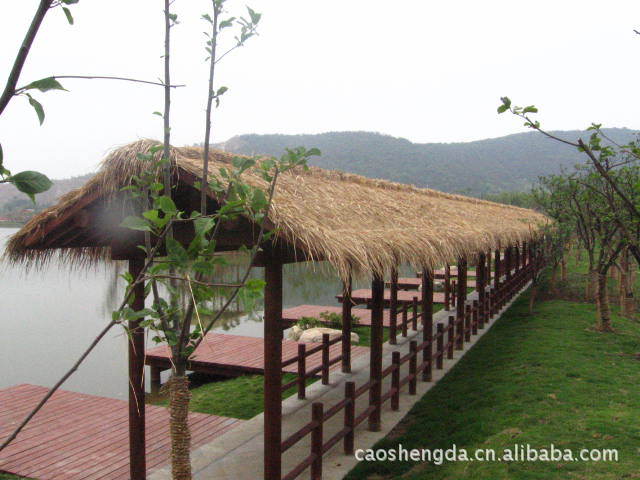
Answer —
356 223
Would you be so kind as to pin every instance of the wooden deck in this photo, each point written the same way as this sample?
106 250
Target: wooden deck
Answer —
453 272
411 283
363 296
292 315
85 437
233 355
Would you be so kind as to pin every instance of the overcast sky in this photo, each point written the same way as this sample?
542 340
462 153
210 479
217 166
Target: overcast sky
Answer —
426 71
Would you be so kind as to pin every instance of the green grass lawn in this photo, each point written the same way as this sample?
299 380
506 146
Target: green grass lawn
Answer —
541 379
8 476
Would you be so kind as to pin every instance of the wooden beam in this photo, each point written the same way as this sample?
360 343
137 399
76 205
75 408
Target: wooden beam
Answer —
393 307
427 322
137 450
346 325
272 368
375 352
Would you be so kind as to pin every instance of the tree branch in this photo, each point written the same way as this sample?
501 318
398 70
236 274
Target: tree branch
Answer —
23 52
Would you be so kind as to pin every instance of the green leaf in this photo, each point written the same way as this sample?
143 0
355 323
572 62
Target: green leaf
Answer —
45 84
221 91
158 114
255 17
502 108
176 251
37 107
165 204
31 182
226 23
67 13
136 223
69 2
530 109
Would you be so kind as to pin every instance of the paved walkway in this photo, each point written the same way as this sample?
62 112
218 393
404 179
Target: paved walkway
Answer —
238 455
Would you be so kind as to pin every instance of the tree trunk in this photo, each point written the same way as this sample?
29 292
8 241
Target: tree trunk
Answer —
627 301
592 285
604 312
553 281
179 397
563 268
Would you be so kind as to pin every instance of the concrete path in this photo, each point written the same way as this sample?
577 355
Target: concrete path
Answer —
238 454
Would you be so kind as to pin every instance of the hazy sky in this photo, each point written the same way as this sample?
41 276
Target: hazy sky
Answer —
424 70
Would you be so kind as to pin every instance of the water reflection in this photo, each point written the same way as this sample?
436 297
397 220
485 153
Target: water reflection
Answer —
50 315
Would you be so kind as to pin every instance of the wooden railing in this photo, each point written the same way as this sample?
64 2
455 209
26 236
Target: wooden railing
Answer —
301 359
448 337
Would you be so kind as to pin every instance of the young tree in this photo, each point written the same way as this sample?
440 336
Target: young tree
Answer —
184 273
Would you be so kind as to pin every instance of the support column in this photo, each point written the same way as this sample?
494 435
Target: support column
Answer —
481 283
507 264
273 368
393 307
137 450
447 287
497 269
375 351
346 325
427 322
460 302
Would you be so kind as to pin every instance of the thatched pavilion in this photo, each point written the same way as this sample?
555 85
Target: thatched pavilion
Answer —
361 226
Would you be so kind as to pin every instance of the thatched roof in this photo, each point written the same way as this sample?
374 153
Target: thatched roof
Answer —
351 221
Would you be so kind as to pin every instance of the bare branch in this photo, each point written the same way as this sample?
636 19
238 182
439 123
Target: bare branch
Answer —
23 52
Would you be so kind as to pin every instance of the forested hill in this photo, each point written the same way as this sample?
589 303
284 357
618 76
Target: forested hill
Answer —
511 163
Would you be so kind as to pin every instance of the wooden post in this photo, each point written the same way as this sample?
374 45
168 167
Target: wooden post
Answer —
447 287
302 371
507 264
325 358
413 366
316 440
137 448
272 368
405 319
451 337
349 416
346 325
483 274
440 346
393 307
475 316
414 314
460 303
497 269
375 351
395 381
156 381
427 322
467 323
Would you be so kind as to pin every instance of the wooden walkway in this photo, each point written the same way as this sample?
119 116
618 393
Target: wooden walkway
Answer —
233 355
85 437
292 315
411 283
404 296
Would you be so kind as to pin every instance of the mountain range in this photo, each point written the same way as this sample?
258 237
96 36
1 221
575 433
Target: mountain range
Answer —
478 168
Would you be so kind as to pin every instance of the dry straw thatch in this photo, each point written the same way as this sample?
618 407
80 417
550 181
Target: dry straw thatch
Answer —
356 223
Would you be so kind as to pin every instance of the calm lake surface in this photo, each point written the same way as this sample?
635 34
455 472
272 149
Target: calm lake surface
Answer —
51 315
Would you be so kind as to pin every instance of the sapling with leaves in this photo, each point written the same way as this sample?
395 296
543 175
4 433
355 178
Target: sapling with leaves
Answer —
617 164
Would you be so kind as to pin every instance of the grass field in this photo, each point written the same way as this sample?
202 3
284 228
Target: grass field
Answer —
539 380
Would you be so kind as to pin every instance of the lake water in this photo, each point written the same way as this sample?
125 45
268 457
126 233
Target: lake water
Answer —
51 315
